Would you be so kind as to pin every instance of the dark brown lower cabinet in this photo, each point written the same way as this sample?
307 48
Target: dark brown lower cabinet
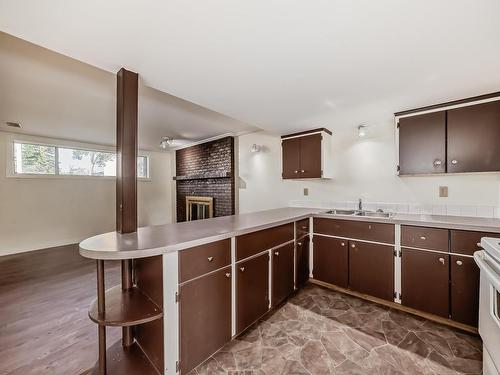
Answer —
282 283
425 281
371 269
205 317
252 290
464 290
302 261
330 259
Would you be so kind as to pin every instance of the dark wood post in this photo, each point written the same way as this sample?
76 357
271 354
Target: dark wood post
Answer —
126 170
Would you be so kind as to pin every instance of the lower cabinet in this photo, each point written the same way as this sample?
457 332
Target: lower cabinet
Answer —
282 282
464 290
425 281
371 269
205 317
302 261
330 257
252 290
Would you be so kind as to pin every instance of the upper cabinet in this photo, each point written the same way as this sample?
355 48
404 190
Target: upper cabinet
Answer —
456 137
306 154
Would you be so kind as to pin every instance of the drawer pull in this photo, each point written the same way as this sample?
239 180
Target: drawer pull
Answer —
479 244
210 259
299 243
242 269
228 275
353 245
423 238
459 262
302 171
277 253
304 227
295 171
441 260
369 227
342 244
454 162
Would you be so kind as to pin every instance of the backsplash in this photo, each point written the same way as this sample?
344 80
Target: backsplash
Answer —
407 208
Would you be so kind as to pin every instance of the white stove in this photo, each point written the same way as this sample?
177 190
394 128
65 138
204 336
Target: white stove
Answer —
488 261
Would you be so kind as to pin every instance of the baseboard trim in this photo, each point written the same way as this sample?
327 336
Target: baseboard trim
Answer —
397 306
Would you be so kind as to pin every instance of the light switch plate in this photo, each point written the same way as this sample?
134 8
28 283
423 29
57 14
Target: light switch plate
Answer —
443 191
306 191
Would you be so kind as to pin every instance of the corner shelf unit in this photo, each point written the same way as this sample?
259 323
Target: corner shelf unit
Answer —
137 306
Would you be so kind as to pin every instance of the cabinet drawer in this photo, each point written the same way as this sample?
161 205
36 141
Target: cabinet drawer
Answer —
361 230
196 261
424 238
256 242
466 242
302 228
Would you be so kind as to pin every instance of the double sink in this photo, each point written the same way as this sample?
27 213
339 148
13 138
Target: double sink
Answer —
381 214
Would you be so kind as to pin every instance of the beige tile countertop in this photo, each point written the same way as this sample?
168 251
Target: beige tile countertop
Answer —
160 239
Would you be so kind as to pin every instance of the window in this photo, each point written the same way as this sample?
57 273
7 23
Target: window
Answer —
30 158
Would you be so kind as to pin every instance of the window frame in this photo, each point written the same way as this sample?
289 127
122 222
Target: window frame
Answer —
11 162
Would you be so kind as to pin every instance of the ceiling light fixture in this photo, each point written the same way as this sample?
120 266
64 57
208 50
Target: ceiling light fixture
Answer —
362 131
255 148
166 142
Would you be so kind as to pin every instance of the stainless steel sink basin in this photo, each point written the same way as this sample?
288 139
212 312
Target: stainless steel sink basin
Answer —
374 214
336 211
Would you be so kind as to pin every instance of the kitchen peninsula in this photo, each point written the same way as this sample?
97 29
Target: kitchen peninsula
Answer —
197 285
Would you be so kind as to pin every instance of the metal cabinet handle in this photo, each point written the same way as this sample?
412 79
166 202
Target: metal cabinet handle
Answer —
437 162
277 253
304 227
242 269
342 244
299 243
353 245
454 161
478 244
295 171
423 238
228 275
459 262
302 171
210 259
441 260
369 226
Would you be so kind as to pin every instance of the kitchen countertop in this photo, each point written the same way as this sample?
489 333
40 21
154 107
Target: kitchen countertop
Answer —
160 239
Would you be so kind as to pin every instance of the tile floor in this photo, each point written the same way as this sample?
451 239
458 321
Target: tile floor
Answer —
320 331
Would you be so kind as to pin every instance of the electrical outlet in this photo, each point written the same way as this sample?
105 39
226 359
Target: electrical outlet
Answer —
443 191
306 191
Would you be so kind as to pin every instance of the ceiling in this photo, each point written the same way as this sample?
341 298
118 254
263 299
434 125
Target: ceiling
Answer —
282 65
52 95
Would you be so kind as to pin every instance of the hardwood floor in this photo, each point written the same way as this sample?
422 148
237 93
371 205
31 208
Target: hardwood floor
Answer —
44 301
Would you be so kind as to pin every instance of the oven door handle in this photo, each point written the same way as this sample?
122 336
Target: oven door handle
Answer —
492 276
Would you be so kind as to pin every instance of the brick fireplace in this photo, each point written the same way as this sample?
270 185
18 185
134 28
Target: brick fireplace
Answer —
206 170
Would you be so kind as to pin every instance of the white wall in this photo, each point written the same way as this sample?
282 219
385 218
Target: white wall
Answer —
362 168
37 213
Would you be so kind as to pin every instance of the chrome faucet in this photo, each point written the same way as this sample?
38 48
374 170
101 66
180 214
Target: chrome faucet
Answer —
360 204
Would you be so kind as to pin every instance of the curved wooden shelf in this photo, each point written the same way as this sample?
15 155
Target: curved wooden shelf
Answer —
125 308
129 361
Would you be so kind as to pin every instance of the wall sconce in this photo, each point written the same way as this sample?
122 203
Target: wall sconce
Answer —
362 131
255 148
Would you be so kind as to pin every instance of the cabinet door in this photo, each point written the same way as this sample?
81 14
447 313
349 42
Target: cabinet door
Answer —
422 144
473 138
330 258
291 158
252 290
464 290
205 317
371 269
302 261
282 281
310 156
425 281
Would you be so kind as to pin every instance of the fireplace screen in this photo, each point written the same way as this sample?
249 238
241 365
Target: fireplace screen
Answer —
199 208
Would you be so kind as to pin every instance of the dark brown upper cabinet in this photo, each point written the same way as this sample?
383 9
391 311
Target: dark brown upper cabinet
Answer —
451 140
422 144
306 154
474 138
